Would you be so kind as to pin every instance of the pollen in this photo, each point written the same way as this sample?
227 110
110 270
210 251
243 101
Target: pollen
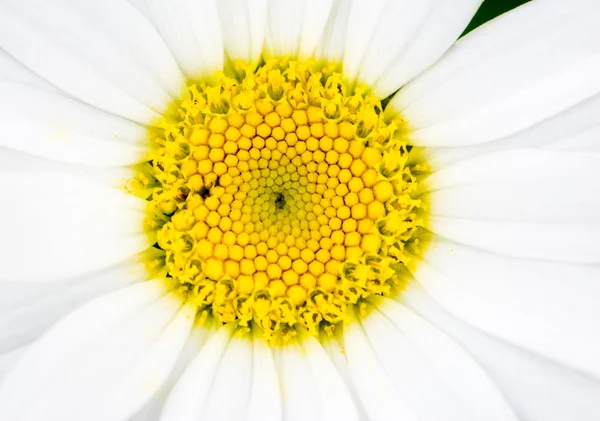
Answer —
282 198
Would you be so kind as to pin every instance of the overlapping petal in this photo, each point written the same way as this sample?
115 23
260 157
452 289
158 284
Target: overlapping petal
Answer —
15 163
55 127
243 23
398 39
575 130
333 41
422 365
522 203
189 396
104 361
265 390
295 27
312 387
58 226
546 307
538 388
27 309
153 408
192 31
104 53
511 73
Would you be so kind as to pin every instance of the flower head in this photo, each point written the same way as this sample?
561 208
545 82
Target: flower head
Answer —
282 198
298 210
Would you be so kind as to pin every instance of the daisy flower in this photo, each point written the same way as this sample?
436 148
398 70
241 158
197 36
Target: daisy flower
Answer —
299 210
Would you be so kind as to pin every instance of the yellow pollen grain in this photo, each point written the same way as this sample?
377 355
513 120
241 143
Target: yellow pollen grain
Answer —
270 201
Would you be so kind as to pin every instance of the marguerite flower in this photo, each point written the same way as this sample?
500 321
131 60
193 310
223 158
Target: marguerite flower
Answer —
298 210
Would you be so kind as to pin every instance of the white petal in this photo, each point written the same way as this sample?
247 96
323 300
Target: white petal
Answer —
391 41
372 383
509 74
333 41
230 391
413 377
104 53
15 162
468 383
8 360
265 390
558 242
515 166
188 399
334 393
143 8
58 226
549 308
243 23
575 130
101 362
198 336
11 69
334 347
192 31
149 371
295 27
27 309
523 203
538 389
576 203
55 127
523 185
300 398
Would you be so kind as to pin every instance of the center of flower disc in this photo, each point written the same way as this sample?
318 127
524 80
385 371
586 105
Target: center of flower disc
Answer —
282 198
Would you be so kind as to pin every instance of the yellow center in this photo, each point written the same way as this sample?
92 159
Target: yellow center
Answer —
282 198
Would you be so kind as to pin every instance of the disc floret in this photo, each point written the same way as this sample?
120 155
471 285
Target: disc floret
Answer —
282 198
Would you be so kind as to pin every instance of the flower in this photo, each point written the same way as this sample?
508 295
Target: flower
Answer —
298 210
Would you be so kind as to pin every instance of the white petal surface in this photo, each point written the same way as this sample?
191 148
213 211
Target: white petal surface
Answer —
243 23
8 360
298 385
265 391
188 399
230 391
575 130
11 69
55 127
334 393
373 384
334 347
392 41
537 389
333 41
103 53
529 185
59 226
414 378
101 362
192 31
523 67
142 6
311 386
524 203
548 308
295 27
467 383
27 309
152 410
15 162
